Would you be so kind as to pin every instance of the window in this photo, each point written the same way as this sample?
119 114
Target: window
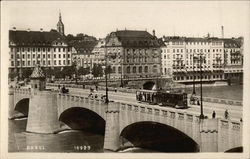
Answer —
23 55
48 55
146 69
48 62
59 62
68 62
140 69
59 55
34 49
38 56
18 63
34 62
59 49
68 55
34 56
28 49
12 63
28 56
54 55
128 69
43 55
54 62
12 56
43 49
23 62
63 62
44 63
134 69
63 55
38 49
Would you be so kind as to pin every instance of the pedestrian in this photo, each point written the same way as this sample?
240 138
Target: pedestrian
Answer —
96 87
226 114
214 114
59 87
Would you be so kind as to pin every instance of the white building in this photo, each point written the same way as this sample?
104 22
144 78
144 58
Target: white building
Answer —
180 58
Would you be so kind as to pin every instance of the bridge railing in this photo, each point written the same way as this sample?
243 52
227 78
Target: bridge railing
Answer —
221 101
22 90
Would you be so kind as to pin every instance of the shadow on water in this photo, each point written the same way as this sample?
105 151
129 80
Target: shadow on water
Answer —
69 141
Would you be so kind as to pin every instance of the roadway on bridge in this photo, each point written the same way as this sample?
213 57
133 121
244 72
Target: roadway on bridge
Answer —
235 112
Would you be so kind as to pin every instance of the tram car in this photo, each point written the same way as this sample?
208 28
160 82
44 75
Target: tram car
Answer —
176 100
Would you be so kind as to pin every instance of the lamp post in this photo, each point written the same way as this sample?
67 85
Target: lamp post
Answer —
193 77
201 59
106 73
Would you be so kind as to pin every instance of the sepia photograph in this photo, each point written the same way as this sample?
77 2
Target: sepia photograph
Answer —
125 79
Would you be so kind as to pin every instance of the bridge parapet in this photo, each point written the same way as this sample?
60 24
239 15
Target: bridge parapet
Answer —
22 91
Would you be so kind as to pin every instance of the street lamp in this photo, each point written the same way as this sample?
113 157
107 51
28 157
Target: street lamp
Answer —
106 74
201 60
193 76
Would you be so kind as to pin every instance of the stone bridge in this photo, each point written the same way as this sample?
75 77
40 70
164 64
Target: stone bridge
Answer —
123 123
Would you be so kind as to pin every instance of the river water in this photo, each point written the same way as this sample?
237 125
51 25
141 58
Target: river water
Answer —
68 141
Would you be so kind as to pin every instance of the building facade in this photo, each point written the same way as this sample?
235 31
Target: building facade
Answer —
29 48
133 54
181 59
99 52
48 49
83 46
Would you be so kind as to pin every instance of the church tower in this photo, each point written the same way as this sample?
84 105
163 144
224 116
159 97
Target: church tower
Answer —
60 25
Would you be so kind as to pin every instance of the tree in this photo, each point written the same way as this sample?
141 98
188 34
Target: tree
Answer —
97 70
83 71
27 72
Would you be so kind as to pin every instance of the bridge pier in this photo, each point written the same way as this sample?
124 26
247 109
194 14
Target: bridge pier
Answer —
209 135
11 103
112 136
43 115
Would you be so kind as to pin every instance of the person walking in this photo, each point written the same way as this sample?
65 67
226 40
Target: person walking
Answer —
226 114
213 114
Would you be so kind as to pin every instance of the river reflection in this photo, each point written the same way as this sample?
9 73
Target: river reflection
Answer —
68 141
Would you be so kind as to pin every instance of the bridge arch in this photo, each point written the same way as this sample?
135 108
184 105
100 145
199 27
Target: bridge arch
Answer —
22 106
148 85
157 136
235 149
79 118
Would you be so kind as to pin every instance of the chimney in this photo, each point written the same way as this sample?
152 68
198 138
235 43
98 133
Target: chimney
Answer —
222 32
14 28
153 32
41 29
28 29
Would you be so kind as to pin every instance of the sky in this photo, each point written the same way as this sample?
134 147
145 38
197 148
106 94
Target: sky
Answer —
99 18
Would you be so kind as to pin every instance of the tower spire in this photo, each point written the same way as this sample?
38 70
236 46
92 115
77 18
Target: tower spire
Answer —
60 25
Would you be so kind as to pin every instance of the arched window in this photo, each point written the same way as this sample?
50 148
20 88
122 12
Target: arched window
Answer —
146 69
119 69
155 69
113 69
134 69
128 69
140 69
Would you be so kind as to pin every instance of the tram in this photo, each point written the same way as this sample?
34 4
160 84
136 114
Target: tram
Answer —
176 100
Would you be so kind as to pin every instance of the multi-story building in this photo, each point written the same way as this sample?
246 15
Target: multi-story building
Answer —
46 48
233 52
133 54
83 46
181 58
99 52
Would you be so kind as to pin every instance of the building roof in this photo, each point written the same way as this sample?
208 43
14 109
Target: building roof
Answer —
37 73
34 38
190 39
231 43
134 38
83 44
